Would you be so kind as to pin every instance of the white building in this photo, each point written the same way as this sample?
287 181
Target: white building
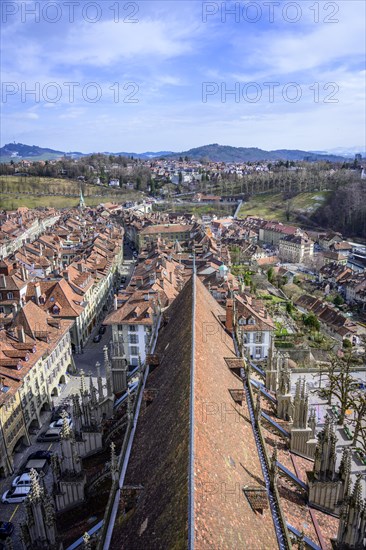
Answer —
252 325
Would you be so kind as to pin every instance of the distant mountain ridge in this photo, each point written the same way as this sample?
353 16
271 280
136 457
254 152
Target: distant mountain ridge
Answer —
213 152
227 153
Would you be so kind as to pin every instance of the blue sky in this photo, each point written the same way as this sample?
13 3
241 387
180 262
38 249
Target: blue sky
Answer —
158 75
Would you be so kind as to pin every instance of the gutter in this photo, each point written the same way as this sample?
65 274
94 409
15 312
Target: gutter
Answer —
191 427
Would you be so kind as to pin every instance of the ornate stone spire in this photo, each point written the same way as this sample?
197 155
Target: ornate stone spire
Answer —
100 382
92 391
107 366
82 382
66 432
271 355
356 496
39 531
312 421
36 490
86 541
345 470
352 524
114 463
325 453
106 358
76 413
285 377
301 405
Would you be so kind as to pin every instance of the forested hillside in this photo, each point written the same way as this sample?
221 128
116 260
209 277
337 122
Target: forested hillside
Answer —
345 210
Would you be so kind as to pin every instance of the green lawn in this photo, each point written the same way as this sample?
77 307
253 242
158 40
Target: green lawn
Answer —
13 202
28 191
272 206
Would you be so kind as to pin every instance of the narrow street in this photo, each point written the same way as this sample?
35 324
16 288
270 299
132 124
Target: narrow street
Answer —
86 361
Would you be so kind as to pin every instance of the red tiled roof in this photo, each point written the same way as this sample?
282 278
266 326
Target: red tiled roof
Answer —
225 453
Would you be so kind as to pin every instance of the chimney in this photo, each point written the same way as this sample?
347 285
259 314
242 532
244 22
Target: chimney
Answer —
21 335
37 292
2 281
229 315
115 303
2 382
65 275
171 277
23 273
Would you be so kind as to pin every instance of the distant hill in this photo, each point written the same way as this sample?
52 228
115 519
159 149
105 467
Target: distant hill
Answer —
147 155
19 151
213 152
227 153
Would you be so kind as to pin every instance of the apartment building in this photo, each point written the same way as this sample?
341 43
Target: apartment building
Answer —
253 326
35 358
295 248
24 225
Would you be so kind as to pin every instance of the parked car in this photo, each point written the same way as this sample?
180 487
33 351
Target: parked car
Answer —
58 411
97 338
102 329
52 434
23 480
38 464
15 495
41 455
6 529
59 423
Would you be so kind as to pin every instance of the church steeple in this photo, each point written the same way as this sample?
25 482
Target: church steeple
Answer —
81 201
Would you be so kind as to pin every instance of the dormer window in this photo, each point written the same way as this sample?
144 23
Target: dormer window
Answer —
10 296
251 321
55 310
242 321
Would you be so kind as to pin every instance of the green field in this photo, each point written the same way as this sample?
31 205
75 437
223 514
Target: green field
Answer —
12 203
274 207
60 193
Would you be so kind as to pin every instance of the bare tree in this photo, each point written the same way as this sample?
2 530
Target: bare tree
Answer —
341 384
359 421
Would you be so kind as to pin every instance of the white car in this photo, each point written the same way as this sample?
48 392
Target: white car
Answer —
15 495
23 480
59 423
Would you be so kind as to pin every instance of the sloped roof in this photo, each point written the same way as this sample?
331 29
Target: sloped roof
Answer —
193 348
